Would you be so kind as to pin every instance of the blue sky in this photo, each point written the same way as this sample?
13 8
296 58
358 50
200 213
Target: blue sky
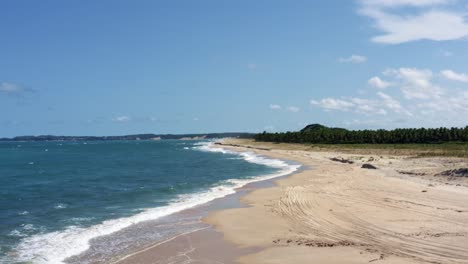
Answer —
122 67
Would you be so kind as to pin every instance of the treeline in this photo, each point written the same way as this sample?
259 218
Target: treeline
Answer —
324 135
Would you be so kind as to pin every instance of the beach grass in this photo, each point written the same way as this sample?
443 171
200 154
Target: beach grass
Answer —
418 150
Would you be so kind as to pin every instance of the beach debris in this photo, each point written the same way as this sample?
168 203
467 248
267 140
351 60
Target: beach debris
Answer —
368 166
424 191
371 159
382 256
461 172
316 243
412 173
342 160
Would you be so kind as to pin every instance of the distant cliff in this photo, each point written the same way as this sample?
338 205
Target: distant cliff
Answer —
131 137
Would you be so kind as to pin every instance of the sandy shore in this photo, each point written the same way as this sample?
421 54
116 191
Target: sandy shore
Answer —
333 212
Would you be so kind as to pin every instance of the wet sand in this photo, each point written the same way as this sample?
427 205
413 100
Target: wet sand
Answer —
204 246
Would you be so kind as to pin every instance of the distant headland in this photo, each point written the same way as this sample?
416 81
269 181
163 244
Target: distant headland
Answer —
132 137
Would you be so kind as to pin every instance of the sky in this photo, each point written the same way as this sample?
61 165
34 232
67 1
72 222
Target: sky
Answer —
114 67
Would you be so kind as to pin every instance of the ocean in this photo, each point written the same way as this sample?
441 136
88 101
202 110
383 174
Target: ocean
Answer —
85 202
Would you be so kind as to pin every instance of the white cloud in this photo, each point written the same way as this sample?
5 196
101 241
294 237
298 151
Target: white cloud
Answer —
333 104
418 98
454 76
378 83
368 106
381 112
354 104
275 107
353 59
13 89
122 119
397 3
450 107
392 104
416 83
293 109
434 21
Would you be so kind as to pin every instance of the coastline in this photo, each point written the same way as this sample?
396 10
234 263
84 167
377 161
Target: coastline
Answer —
203 245
334 212
122 235
198 238
327 212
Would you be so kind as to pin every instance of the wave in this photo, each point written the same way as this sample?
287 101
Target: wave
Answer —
55 247
60 206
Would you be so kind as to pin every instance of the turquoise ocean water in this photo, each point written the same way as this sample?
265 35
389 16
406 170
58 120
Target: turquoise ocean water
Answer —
56 197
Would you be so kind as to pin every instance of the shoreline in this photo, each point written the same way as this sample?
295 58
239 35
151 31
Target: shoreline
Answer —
341 213
106 241
204 245
178 247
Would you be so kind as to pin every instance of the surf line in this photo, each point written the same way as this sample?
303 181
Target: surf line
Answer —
158 244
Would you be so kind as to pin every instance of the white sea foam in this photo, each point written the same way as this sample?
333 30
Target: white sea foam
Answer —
28 227
17 233
79 220
55 247
60 206
24 231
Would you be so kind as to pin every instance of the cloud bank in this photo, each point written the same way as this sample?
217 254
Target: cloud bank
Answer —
416 95
403 21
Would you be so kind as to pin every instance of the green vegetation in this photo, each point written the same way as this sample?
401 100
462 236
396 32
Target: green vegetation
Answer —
417 142
318 134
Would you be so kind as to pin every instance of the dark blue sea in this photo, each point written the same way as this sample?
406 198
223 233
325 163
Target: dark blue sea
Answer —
56 197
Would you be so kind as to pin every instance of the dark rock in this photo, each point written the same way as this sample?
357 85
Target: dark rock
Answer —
461 172
342 160
412 173
368 166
